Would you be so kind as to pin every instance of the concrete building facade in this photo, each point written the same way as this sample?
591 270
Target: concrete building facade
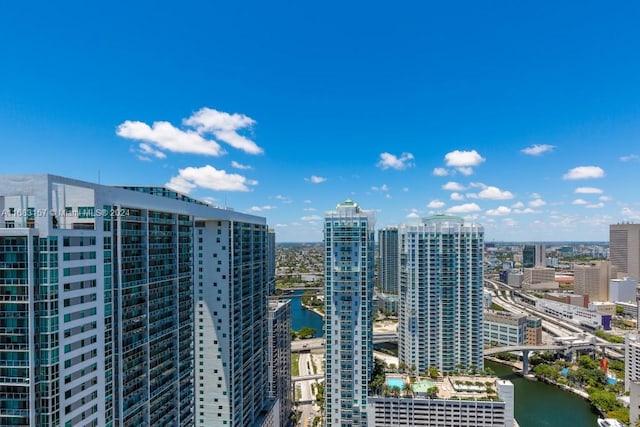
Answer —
349 275
624 248
440 304
593 279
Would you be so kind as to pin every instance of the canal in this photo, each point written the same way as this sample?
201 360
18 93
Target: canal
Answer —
301 317
538 404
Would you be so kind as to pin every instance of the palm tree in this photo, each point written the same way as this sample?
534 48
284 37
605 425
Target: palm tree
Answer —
408 391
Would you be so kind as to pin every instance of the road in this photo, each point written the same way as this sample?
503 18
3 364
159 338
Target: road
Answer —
309 410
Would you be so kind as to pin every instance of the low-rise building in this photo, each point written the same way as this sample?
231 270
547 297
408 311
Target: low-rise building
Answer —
534 331
460 401
502 328
574 314
539 278
603 307
568 298
623 290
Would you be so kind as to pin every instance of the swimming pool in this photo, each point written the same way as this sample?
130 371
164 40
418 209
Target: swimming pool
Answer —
395 382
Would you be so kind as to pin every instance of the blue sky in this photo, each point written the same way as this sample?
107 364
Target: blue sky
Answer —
522 117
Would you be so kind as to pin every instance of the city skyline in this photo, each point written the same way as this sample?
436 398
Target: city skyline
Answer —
521 118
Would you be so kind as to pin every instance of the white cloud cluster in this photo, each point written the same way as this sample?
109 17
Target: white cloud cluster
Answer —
314 179
383 187
391 161
440 172
261 208
162 136
453 186
464 208
584 172
630 157
240 166
463 161
311 218
435 204
210 178
500 210
494 193
537 149
588 190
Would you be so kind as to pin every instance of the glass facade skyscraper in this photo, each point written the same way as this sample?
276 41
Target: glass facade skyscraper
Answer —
100 288
440 301
349 274
388 260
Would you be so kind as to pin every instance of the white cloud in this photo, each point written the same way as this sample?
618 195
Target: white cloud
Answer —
605 198
316 179
579 202
457 196
536 196
388 160
405 189
584 172
459 158
595 206
588 190
309 209
283 199
281 225
500 210
210 178
630 214
440 172
165 136
311 218
518 205
383 187
537 203
261 208
435 204
465 170
494 193
537 149
237 165
225 127
453 186
413 215
524 211
147 149
307 201
463 161
478 185
465 208
471 196
630 157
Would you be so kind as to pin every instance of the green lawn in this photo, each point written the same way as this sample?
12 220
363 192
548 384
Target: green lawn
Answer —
295 369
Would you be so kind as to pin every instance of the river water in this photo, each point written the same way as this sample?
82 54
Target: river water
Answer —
536 404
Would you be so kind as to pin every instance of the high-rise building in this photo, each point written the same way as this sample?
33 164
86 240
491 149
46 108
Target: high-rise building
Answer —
533 256
388 260
624 248
280 356
271 261
593 279
98 303
349 274
440 302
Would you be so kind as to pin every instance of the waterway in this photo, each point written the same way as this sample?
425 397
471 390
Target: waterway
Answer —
301 317
538 404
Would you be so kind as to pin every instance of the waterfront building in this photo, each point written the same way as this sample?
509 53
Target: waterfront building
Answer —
349 274
593 279
502 328
623 290
279 357
624 248
533 256
460 401
440 303
388 260
103 285
534 331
